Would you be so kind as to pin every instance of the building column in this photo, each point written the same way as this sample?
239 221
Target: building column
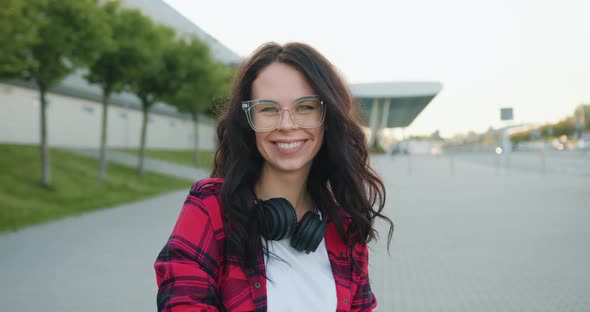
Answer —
373 122
384 117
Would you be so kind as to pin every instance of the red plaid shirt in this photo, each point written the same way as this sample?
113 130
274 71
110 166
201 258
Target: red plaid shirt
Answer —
193 273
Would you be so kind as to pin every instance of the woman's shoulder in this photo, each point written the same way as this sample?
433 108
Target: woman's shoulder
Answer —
206 187
203 202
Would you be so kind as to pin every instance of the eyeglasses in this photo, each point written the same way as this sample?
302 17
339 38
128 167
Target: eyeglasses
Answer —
267 115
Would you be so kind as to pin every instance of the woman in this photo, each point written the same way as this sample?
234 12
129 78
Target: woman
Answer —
284 222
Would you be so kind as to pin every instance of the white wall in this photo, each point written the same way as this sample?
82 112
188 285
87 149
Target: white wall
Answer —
76 122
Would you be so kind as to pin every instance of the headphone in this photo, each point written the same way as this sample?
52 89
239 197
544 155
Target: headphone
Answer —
278 220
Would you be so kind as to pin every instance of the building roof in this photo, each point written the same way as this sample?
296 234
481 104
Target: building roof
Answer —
395 89
160 11
406 100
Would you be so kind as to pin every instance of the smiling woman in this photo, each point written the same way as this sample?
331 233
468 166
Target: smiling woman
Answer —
284 221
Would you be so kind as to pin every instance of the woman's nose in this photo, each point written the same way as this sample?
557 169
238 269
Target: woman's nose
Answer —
287 121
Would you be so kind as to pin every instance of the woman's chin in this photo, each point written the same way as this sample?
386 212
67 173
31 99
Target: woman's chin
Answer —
290 166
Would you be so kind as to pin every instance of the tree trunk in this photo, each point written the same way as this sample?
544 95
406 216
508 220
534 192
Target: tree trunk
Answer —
45 168
145 108
196 126
102 170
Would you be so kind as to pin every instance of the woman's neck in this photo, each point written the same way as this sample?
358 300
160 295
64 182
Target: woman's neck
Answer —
289 185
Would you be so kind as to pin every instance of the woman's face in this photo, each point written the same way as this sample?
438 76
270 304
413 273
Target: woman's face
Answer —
287 148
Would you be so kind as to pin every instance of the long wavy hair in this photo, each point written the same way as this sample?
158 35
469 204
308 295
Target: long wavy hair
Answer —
340 176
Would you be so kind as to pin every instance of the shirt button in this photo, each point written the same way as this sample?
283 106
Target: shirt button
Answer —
257 285
342 254
345 301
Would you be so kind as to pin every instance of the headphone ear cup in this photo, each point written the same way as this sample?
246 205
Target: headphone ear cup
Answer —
309 233
298 239
278 219
316 236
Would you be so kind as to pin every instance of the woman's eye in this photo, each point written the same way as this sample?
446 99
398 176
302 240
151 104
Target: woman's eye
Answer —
305 107
269 109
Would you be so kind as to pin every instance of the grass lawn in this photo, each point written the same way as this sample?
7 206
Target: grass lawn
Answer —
75 188
183 157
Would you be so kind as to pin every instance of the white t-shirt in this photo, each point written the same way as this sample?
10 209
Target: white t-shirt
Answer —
301 282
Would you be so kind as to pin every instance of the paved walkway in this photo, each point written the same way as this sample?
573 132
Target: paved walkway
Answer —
96 262
482 240
477 240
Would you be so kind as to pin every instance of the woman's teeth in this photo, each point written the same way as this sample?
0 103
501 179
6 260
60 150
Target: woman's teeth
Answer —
292 145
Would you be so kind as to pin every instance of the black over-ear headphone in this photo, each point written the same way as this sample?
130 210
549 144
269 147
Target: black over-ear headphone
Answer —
278 220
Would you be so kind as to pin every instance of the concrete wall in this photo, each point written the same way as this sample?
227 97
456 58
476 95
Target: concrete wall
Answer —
76 122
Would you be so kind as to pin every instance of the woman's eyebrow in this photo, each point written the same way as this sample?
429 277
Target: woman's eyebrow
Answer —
265 101
305 97
277 102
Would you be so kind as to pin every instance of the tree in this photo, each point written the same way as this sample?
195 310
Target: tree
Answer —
117 64
205 79
69 34
17 36
159 78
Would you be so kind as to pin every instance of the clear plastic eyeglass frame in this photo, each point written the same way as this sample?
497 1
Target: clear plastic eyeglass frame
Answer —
247 106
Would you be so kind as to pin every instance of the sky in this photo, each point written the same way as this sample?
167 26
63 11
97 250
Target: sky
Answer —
531 55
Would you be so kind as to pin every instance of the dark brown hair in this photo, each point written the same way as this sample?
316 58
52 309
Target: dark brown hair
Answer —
340 175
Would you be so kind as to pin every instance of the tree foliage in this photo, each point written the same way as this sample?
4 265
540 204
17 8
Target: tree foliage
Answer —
203 82
59 36
18 25
205 79
71 34
123 58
